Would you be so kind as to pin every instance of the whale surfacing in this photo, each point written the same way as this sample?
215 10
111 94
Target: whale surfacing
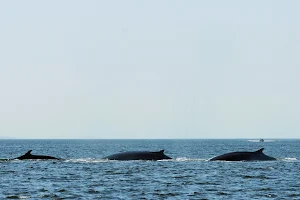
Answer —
28 156
244 156
138 155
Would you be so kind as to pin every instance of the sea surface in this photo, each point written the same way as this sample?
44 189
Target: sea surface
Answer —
83 174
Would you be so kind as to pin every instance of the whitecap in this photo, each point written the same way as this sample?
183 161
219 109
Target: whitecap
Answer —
185 159
289 159
86 160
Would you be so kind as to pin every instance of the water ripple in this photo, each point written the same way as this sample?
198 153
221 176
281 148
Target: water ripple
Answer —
189 175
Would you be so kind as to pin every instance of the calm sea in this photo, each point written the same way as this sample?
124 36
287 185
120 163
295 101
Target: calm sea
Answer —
84 175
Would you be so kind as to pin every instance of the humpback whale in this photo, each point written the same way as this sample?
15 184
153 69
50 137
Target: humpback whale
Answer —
28 155
138 155
244 156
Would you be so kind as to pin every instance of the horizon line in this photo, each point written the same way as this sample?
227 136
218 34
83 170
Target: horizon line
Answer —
246 138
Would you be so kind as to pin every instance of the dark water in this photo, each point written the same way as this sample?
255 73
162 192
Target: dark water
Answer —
84 175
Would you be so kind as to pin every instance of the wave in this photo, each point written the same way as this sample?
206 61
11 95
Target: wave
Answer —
100 160
179 159
184 159
289 159
18 197
87 160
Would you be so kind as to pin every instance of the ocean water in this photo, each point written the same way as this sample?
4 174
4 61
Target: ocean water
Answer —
82 174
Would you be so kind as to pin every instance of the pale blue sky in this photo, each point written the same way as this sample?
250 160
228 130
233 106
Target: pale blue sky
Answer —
150 69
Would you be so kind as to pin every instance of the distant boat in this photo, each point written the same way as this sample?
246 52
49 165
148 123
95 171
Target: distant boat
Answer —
261 140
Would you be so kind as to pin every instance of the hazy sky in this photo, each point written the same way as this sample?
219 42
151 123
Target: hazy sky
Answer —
150 69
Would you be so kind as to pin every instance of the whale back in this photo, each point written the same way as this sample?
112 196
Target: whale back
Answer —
138 155
28 156
244 156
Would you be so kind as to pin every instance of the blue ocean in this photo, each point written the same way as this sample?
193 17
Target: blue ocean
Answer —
83 174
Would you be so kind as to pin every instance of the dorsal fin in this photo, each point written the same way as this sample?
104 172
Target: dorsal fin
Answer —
159 152
260 150
28 152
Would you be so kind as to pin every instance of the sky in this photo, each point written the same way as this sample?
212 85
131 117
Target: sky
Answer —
149 69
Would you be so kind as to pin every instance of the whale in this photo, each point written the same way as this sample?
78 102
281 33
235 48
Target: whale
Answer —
139 155
244 156
29 156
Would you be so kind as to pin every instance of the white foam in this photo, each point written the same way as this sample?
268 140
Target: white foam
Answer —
86 160
184 159
289 159
24 197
